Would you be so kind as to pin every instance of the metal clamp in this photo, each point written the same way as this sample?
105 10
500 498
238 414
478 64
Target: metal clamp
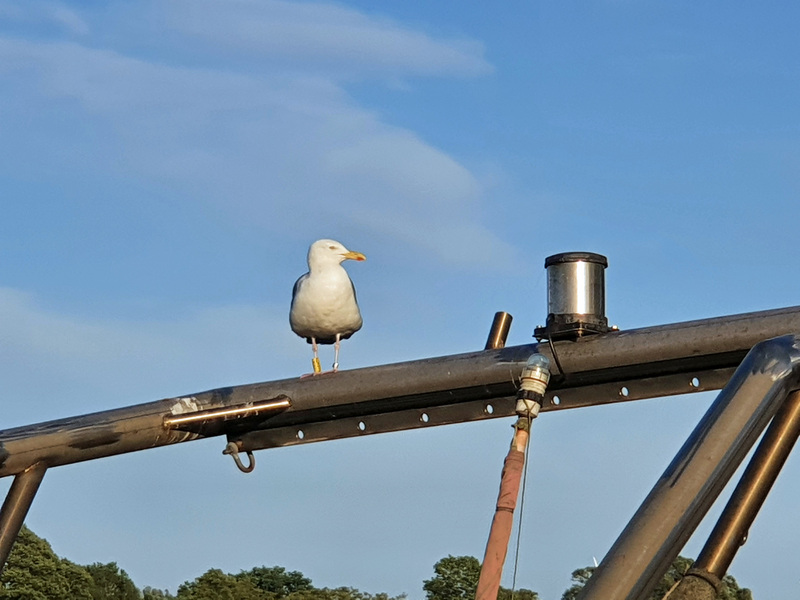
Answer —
233 449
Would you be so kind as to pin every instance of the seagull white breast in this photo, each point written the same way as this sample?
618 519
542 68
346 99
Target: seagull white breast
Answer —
324 299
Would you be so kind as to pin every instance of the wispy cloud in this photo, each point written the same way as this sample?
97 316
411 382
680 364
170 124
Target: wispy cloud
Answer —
55 14
55 360
259 142
317 34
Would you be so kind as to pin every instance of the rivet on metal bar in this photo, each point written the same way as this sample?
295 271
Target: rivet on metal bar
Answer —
233 449
225 414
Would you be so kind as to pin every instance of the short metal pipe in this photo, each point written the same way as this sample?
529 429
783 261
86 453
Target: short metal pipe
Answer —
15 508
498 333
683 494
731 529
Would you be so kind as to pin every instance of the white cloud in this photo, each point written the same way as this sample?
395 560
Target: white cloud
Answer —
319 33
38 13
284 150
64 365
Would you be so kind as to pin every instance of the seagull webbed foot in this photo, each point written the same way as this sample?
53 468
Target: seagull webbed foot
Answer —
315 374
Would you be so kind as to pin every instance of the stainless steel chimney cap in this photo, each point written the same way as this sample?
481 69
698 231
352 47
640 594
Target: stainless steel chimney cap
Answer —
570 257
576 302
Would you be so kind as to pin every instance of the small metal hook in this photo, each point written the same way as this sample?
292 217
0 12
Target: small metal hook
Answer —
233 449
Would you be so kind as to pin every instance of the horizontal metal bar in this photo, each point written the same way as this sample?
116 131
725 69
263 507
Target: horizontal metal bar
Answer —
610 361
479 410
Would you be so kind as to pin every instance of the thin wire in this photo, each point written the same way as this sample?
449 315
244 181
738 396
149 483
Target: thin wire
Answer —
554 353
521 511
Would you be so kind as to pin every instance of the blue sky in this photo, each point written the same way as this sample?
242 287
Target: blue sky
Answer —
164 166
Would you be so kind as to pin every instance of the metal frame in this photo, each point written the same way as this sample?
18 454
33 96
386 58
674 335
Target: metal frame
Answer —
683 494
594 370
730 533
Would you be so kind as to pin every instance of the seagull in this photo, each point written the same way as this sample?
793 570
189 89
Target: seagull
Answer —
324 307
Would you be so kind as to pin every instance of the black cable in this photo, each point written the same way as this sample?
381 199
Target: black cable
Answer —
553 352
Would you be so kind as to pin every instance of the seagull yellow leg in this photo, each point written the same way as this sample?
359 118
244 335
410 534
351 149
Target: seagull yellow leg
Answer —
315 361
336 354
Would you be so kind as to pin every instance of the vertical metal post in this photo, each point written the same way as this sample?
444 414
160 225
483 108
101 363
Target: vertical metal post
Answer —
16 505
698 473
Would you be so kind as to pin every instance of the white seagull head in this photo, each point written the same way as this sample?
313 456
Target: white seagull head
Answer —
328 252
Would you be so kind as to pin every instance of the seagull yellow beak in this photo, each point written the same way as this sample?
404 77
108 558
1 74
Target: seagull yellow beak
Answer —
354 256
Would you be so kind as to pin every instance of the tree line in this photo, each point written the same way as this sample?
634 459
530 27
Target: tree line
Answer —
35 572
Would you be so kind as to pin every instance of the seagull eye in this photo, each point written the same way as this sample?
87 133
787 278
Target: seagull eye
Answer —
332 247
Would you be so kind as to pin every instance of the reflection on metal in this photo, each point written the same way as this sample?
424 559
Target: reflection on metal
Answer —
498 334
697 474
576 295
201 418
16 505
232 449
731 529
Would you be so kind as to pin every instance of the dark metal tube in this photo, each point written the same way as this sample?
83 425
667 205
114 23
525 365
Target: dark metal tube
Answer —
477 376
16 505
759 476
498 334
698 473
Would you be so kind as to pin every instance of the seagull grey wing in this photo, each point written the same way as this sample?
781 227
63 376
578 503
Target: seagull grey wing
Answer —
353 287
296 287
360 322
293 316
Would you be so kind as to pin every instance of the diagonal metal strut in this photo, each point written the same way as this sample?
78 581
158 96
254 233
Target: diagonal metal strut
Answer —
683 494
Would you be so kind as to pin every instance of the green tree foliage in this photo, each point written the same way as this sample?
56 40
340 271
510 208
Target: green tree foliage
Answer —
579 578
676 571
277 580
732 591
34 572
456 578
265 583
109 582
340 593
149 593
216 585
520 594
